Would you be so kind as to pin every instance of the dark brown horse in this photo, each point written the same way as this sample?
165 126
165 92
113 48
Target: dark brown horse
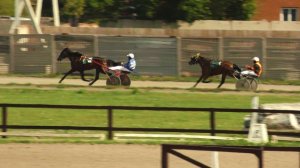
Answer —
213 67
99 64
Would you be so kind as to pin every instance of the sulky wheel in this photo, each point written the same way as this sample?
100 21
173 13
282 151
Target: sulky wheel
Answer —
253 84
125 80
113 81
243 84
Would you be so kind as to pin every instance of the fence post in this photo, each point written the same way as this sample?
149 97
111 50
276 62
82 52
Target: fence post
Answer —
212 123
4 120
53 54
260 156
12 54
96 46
264 56
164 159
179 55
110 123
221 48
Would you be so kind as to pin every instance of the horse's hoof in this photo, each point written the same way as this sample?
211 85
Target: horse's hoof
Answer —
207 81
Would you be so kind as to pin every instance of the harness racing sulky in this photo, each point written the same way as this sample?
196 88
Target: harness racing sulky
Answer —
245 80
81 63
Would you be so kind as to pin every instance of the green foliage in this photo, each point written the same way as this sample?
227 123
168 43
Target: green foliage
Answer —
194 10
168 10
99 9
249 7
7 8
74 8
188 10
145 9
232 9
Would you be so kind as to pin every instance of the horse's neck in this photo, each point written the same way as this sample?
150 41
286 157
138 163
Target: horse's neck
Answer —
74 59
204 62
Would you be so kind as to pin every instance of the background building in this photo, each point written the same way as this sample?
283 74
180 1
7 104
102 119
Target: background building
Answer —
277 10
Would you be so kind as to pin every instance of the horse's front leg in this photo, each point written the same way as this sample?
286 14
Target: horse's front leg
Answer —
66 74
222 80
96 77
82 76
199 80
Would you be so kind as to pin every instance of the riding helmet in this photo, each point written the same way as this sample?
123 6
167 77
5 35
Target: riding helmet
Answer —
131 55
255 59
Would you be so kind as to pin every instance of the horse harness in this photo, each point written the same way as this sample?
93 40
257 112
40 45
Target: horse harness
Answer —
215 64
89 60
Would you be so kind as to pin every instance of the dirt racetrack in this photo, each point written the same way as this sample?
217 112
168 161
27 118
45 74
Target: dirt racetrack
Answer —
138 84
125 156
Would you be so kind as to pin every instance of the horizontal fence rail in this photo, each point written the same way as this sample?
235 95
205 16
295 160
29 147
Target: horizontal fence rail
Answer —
255 150
110 128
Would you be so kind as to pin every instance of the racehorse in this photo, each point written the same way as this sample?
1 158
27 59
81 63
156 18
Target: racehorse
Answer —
99 64
211 67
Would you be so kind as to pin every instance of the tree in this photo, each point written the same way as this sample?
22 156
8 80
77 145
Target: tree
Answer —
167 10
7 8
191 10
232 9
95 9
145 9
74 9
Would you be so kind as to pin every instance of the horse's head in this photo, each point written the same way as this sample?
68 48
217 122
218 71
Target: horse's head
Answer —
195 59
64 54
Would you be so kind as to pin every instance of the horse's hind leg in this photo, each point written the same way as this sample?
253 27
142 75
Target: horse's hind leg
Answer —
205 80
66 74
96 77
82 76
222 80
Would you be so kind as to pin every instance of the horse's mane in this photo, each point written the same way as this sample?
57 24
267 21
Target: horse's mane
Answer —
73 53
198 57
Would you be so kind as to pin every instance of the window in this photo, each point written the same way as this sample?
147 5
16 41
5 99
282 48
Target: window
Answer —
289 14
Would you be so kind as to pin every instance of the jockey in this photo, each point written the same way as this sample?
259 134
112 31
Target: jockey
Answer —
254 70
129 66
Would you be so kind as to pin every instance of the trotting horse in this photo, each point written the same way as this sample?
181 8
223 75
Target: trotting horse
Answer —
212 67
99 64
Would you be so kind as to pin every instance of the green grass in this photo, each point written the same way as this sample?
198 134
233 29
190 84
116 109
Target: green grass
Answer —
131 97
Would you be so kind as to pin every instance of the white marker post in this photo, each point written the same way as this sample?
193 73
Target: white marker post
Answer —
257 132
215 159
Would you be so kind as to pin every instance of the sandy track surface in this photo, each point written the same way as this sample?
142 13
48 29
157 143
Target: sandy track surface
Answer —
125 156
138 84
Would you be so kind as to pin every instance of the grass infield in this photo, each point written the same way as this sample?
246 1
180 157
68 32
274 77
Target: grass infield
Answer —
131 97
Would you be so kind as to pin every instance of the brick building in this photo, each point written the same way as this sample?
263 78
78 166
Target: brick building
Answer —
277 10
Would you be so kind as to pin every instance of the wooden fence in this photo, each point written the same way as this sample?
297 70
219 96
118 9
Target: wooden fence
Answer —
255 150
110 128
33 53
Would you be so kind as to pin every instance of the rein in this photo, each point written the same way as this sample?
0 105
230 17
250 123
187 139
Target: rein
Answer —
103 66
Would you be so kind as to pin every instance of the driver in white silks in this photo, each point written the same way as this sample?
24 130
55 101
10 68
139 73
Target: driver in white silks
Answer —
129 66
